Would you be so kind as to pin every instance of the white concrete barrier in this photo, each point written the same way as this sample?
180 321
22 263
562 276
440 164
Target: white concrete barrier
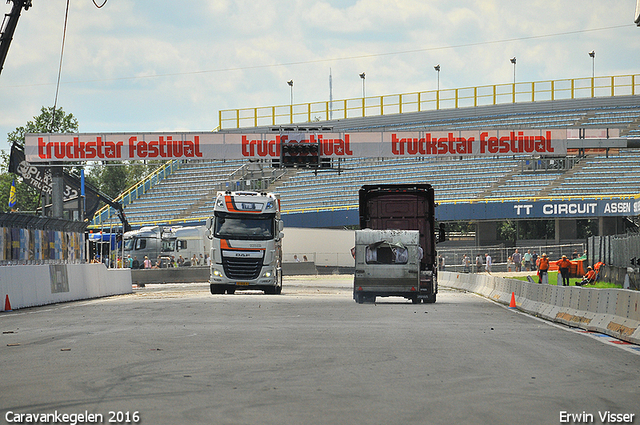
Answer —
29 286
614 312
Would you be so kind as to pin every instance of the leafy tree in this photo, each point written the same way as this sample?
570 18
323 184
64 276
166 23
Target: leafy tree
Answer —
28 199
508 231
114 178
46 122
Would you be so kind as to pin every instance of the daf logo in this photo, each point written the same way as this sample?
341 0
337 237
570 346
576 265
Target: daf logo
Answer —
254 245
242 254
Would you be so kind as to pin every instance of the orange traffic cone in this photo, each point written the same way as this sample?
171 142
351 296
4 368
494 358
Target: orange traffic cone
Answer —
513 300
7 304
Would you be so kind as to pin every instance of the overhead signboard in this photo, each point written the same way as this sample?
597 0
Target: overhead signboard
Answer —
548 209
148 146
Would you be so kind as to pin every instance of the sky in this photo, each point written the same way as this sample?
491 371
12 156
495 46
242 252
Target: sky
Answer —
160 65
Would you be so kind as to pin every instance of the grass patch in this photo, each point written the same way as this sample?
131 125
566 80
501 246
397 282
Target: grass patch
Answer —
553 279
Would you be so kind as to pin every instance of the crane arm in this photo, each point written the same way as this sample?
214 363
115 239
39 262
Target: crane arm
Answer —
9 27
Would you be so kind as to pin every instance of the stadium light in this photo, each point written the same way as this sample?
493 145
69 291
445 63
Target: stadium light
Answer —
290 82
362 76
513 61
437 68
593 63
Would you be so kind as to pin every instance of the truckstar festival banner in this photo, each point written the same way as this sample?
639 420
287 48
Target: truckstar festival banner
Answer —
147 146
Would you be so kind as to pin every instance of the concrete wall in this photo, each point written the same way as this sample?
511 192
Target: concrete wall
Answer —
29 286
614 312
324 247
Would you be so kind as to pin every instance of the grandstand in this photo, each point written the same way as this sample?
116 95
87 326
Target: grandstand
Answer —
186 195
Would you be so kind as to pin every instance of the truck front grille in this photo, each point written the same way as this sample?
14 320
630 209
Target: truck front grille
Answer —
242 268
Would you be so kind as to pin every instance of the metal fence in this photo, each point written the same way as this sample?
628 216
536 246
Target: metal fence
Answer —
615 250
453 257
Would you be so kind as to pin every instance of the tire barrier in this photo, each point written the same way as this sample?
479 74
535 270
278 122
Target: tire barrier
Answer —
614 312
36 285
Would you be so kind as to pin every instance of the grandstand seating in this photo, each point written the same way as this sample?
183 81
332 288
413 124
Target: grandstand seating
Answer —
188 194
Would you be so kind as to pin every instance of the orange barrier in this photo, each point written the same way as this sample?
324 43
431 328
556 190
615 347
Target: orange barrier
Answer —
575 270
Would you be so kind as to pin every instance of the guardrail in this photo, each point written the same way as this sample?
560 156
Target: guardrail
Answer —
574 88
612 312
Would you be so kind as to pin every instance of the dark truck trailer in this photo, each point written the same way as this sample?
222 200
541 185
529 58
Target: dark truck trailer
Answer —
400 207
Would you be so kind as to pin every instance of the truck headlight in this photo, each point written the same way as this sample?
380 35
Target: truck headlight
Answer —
217 273
267 274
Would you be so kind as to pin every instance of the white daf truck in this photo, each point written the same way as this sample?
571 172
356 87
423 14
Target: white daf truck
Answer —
246 247
165 242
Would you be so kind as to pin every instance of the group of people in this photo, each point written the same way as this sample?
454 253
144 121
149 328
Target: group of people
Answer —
161 262
530 261
485 265
527 261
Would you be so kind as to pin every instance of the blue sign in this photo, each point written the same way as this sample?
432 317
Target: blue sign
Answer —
549 209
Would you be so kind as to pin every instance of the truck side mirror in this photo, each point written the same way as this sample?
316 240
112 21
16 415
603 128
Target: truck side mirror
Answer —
280 226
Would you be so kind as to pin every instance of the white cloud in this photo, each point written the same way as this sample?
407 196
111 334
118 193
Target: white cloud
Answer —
152 65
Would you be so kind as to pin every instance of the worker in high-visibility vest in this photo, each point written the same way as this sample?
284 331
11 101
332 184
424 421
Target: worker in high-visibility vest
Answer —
543 267
564 265
588 278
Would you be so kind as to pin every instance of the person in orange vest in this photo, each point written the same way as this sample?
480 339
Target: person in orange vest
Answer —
564 265
543 268
588 278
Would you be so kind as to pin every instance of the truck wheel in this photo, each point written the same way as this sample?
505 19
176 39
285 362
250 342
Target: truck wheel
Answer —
415 299
430 299
231 291
359 298
278 290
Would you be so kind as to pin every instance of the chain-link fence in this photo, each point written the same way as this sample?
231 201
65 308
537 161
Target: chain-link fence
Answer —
454 257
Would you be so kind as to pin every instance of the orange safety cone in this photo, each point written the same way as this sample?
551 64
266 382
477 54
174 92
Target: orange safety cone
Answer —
512 304
7 304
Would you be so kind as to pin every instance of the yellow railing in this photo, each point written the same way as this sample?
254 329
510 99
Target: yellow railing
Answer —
105 213
575 88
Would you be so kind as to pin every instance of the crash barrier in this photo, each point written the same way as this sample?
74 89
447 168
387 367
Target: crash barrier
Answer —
35 285
613 312
301 268
200 274
170 275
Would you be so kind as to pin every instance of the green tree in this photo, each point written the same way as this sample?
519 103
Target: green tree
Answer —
114 178
46 122
28 199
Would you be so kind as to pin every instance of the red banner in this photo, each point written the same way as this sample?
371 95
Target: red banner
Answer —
148 146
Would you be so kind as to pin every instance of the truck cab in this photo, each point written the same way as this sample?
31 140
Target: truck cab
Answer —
246 248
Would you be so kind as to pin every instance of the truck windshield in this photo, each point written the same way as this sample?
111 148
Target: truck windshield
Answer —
254 227
168 245
128 244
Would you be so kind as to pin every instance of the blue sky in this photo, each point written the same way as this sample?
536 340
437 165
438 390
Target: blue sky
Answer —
158 65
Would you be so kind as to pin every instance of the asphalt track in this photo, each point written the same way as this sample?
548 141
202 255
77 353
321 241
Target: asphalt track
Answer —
174 354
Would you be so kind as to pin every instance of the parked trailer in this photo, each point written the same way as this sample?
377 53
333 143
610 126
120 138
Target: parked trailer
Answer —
399 207
167 242
387 264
